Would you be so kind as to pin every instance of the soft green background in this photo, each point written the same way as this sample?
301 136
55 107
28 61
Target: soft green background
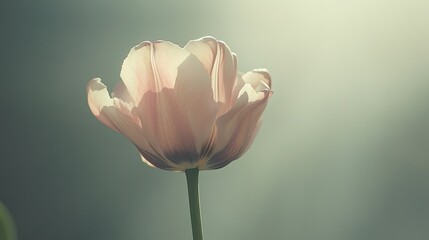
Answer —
342 154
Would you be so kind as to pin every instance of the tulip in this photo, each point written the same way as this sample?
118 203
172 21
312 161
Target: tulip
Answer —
185 109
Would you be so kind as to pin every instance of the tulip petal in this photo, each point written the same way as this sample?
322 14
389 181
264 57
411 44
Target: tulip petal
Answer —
260 79
238 127
151 67
179 121
238 85
134 133
121 92
220 63
98 98
118 115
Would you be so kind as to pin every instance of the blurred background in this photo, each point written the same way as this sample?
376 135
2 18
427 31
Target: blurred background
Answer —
343 152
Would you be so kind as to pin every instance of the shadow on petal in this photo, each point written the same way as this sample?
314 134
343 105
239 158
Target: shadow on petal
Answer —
237 130
179 121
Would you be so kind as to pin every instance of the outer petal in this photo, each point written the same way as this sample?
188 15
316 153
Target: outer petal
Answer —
98 98
260 79
117 115
220 63
179 120
237 128
151 67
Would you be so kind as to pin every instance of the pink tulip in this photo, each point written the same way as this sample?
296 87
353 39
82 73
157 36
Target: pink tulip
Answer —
184 108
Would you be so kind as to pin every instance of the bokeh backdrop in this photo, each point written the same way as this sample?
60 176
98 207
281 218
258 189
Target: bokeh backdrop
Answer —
343 153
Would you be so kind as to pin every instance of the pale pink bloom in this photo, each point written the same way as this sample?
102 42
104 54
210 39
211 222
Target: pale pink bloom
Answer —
184 107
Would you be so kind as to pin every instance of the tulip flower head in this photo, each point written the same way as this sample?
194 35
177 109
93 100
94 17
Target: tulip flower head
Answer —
184 108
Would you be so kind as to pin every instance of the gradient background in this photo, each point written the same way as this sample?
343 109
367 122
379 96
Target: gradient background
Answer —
343 152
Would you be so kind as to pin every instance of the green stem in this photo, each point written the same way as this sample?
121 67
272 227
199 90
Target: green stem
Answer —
194 203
